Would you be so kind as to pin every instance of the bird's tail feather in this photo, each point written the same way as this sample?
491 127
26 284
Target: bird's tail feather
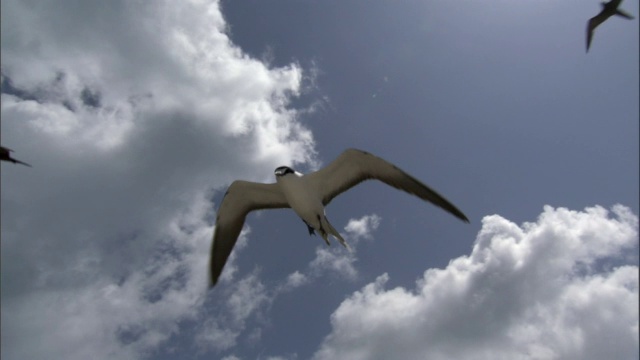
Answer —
325 238
623 14
327 225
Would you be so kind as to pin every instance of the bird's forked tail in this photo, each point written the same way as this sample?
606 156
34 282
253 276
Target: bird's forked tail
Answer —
324 222
623 14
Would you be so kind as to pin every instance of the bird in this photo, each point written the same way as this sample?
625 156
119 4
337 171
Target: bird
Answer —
5 155
608 10
308 195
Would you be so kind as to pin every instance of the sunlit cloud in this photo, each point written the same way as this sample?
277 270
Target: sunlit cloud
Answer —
542 290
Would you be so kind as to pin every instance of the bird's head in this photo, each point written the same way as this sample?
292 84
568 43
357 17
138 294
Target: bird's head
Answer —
283 170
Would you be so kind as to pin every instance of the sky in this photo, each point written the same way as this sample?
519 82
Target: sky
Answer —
136 116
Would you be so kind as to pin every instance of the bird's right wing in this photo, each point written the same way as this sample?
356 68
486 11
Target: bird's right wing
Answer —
241 198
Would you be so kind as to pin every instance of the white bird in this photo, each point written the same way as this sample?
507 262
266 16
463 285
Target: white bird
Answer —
307 195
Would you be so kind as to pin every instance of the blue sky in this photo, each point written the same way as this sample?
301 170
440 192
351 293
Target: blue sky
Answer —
137 116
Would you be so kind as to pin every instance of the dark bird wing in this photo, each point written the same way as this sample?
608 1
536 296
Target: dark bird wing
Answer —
613 4
354 166
241 198
15 161
5 155
593 23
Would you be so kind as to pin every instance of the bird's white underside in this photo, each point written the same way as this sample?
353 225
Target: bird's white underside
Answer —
302 197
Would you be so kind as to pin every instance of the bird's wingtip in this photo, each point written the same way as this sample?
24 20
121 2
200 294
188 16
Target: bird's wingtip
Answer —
211 281
460 215
211 284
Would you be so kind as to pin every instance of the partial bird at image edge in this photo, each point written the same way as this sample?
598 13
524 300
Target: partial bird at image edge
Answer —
609 9
5 155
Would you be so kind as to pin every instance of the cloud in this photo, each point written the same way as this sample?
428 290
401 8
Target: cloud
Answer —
134 115
295 280
557 288
363 227
249 298
231 357
221 329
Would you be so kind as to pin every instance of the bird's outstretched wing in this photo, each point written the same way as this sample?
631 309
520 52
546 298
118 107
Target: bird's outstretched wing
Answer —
354 166
15 161
593 23
5 155
241 198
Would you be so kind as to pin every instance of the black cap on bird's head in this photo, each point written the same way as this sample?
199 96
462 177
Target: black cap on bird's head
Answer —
283 170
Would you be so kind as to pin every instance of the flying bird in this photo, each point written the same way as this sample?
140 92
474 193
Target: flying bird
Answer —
307 195
608 10
6 156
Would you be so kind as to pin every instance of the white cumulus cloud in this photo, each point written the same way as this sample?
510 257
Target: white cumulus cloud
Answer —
557 288
222 327
363 227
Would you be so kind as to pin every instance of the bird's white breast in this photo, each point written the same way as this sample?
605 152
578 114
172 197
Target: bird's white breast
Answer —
302 199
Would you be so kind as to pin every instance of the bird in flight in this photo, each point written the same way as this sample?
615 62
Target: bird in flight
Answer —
307 195
5 155
608 10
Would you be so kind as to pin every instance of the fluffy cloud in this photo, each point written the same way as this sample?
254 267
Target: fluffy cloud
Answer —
220 330
133 115
249 298
553 289
295 279
362 228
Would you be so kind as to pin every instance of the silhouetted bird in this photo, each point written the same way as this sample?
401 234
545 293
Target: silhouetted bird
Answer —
6 156
608 10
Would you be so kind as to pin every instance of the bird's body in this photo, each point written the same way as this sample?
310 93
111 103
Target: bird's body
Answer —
307 195
307 204
609 9
303 201
5 155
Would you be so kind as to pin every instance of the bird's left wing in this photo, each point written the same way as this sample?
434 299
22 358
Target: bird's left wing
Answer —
593 23
354 166
16 161
241 198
